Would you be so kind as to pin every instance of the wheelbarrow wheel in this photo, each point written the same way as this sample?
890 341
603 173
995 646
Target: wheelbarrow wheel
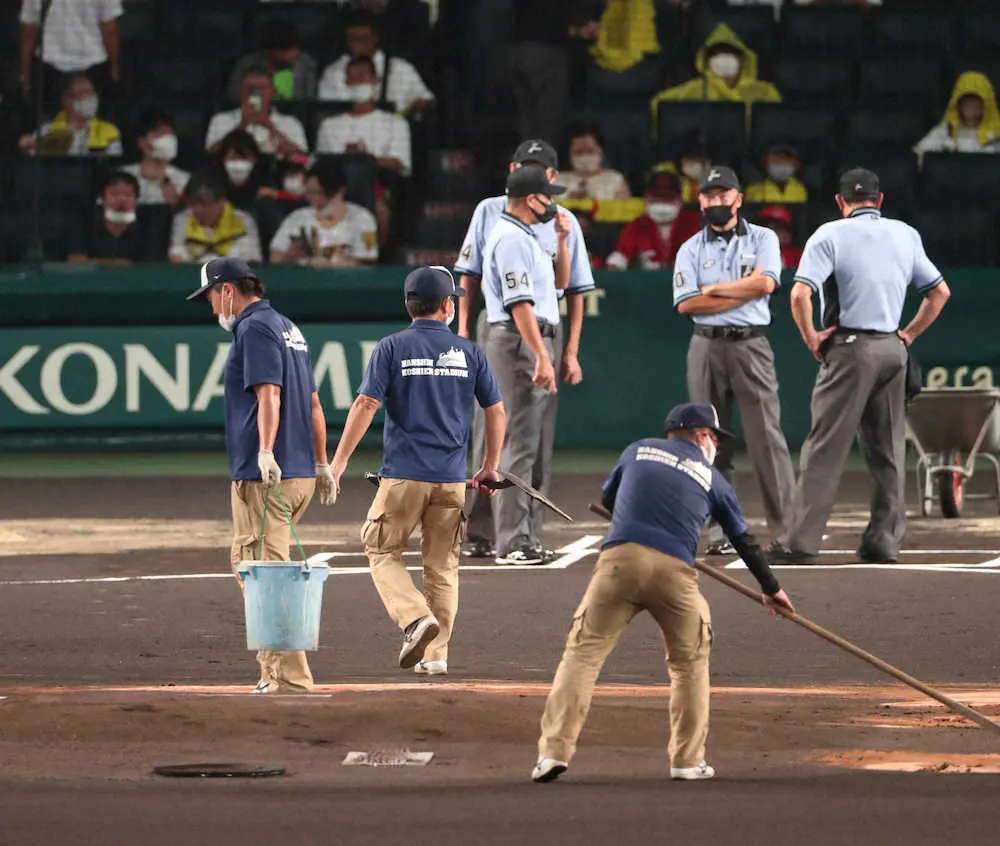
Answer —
951 489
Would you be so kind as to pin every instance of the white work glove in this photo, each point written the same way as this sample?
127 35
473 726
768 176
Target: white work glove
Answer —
326 484
269 469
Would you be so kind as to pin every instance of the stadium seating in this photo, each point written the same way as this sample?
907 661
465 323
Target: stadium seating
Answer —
721 125
812 80
811 130
834 30
955 179
959 238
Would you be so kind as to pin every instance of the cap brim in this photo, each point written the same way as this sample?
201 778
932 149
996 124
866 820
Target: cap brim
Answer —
201 292
556 190
705 186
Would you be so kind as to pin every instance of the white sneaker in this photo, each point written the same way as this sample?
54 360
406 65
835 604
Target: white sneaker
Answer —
416 637
699 773
262 687
548 769
431 668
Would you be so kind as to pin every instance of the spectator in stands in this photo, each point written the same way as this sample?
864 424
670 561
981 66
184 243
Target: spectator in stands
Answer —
651 241
589 179
210 227
396 79
779 218
690 164
781 164
113 236
727 70
275 133
241 160
80 36
971 123
626 34
329 232
366 129
159 181
293 71
76 130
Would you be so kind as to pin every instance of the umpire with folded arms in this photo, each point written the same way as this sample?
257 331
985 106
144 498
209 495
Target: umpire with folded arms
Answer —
659 493
428 378
723 279
275 435
861 267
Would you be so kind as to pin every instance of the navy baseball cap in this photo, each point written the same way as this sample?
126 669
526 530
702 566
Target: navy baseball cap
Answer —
538 151
220 270
859 184
434 282
719 176
694 415
531 179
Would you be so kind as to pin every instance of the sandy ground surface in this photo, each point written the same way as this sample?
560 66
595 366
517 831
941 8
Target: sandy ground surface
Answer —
109 669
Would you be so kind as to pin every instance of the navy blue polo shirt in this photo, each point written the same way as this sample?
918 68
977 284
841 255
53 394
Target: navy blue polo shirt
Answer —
268 349
428 378
662 491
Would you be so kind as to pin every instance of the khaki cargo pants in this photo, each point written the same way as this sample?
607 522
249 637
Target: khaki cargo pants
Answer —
399 507
289 670
628 579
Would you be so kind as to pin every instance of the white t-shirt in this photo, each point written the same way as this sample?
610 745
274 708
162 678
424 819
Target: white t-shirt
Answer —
405 85
246 248
966 140
605 185
72 39
151 191
381 134
225 122
354 237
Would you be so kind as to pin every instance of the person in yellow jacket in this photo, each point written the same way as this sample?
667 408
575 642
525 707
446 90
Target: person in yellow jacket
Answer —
781 164
76 130
727 70
971 123
210 227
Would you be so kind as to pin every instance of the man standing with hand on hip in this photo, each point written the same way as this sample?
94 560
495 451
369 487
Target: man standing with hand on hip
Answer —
519 284
723 278
861 266
428 378
275 436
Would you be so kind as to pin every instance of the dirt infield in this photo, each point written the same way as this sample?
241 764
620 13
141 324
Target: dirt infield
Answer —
123 650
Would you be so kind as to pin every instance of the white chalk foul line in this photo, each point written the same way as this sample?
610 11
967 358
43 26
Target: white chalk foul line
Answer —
568 555
899 568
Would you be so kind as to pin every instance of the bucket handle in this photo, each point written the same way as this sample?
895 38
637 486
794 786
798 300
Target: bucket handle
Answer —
291 525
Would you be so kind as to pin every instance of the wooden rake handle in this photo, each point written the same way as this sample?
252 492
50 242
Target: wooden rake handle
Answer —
978 718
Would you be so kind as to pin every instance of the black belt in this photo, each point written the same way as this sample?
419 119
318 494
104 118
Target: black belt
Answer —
547 330
730 333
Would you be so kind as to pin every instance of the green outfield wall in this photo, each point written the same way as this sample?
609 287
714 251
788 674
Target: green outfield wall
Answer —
118 359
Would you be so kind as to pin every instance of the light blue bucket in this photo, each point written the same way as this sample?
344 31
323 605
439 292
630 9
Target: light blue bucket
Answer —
283 602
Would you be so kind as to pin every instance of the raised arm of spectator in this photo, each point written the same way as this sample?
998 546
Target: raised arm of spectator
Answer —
109 35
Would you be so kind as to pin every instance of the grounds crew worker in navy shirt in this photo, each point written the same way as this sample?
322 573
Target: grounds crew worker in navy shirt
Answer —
861 267
660 493
723 279
275 434
428 378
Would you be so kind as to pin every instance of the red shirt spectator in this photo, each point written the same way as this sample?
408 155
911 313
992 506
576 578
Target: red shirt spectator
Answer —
779 218
651 241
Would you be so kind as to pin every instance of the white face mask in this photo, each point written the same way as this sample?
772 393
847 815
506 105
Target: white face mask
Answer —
86 107
663 212
781 172
726 65
451 318
126 217
586 162
295 185
692 169
362 93
238 169
164 148
709 450
227 321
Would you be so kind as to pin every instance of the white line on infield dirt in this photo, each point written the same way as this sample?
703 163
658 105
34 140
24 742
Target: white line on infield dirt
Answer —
900 568
568 555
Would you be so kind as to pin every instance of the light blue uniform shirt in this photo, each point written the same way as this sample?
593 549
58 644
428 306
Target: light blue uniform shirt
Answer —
861 267
707 258
517 270
488 212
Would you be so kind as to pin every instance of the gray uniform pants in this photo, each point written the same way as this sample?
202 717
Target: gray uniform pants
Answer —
481 525
859 391
720 371
527 408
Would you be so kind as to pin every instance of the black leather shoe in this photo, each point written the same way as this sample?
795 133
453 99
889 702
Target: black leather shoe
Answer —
872 556
792 557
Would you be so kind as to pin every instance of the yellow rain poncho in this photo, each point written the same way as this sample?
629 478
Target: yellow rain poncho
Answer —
978 85
628 33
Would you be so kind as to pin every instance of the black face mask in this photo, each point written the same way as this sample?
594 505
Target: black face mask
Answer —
718 215
548 214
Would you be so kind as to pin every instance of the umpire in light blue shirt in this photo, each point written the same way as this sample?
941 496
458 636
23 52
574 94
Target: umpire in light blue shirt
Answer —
860 267
723 279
